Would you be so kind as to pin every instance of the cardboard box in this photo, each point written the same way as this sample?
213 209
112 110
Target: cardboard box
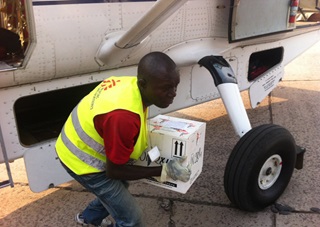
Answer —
175 137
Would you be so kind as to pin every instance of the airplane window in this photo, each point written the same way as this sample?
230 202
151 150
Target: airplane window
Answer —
14 36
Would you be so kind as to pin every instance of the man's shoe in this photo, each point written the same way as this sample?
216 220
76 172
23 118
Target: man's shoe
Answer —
106 223
79 219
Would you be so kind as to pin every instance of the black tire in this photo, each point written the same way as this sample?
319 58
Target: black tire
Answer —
247 159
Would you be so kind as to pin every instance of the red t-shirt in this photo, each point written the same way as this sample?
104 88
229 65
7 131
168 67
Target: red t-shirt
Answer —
119 130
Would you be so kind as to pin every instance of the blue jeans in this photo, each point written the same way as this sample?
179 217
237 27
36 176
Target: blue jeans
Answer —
113 198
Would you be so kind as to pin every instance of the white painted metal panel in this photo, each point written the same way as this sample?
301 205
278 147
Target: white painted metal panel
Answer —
43 168
255 18
264 85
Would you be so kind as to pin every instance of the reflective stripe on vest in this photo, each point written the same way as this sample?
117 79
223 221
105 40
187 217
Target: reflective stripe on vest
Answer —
92 161
83 135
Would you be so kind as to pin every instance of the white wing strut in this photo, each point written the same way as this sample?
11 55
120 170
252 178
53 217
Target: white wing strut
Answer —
117 44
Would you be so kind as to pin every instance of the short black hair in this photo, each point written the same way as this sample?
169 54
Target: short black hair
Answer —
155 64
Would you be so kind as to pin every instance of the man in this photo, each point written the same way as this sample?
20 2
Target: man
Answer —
107 129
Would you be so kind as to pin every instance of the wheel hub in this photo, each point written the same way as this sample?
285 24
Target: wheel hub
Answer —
270 172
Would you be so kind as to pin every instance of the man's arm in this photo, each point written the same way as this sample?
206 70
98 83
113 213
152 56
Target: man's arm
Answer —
120 130
130 172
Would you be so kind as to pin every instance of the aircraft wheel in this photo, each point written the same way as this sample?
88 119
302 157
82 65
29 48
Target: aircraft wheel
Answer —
260 167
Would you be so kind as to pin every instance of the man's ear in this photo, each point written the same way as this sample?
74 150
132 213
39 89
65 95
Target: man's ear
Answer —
142 83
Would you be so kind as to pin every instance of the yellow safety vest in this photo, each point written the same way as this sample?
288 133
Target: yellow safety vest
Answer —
79 146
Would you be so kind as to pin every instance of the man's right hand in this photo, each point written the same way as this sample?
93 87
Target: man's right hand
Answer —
175 170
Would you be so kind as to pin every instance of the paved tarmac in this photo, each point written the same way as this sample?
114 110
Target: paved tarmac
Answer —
294 104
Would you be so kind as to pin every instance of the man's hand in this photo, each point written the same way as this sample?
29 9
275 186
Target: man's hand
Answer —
175 170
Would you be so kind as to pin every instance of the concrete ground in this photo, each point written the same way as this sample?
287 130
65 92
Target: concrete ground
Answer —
294 104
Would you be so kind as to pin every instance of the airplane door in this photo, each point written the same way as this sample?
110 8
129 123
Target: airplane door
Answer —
254 18
43 168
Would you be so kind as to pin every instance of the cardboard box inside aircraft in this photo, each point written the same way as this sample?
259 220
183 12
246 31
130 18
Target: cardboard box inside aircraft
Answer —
175 138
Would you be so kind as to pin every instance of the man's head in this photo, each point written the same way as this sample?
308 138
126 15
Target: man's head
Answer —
158 79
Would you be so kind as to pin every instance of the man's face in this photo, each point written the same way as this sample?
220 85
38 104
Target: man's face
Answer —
161 91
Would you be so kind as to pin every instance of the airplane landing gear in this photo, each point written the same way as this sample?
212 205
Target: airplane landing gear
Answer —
262 162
